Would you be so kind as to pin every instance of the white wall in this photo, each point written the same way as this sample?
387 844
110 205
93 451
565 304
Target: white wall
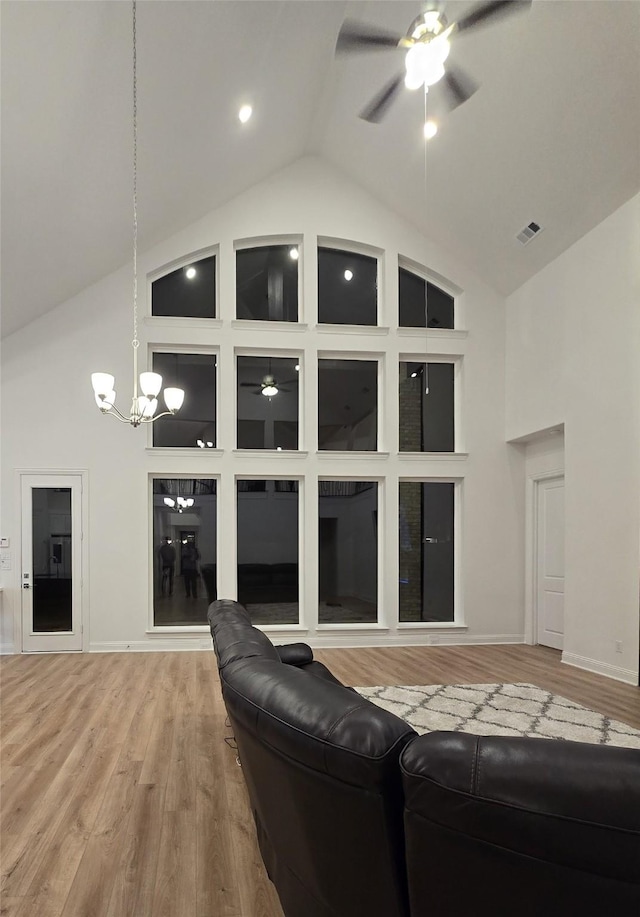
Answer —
573 357
55 355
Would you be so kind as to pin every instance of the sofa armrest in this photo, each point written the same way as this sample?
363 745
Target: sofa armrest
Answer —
295 653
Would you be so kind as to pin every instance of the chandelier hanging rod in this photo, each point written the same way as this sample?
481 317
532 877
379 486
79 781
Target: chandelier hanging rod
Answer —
143 407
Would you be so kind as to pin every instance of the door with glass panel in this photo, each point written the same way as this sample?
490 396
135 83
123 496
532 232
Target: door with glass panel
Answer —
51 568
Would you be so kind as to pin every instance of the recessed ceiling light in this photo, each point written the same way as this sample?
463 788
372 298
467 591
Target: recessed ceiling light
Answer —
294 253
348 275
190 272
430 129
245 113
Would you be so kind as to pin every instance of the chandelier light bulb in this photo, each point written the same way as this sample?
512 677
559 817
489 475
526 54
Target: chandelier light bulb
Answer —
150 383
173 398
102 383
169 502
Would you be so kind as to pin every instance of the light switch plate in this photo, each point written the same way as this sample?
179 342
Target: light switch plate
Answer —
4 542
5 560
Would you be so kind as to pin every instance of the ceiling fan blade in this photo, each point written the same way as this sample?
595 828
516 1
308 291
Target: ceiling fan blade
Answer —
484 13
380 104
357 36
458 87
250 384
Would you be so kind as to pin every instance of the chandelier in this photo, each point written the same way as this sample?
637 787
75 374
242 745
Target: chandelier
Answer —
143 406
180 503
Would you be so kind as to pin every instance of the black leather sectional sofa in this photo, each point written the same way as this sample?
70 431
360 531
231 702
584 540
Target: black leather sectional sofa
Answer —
357 816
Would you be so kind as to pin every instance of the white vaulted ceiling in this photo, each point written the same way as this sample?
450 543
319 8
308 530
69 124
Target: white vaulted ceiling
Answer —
553 134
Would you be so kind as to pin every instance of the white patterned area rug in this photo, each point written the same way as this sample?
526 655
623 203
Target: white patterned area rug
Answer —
509 710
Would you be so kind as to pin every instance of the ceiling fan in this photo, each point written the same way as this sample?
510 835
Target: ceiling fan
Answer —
269 386
427 45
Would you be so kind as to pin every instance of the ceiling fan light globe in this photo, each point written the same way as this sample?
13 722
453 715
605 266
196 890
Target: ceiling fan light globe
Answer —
439 49
269 391
434 73
411 81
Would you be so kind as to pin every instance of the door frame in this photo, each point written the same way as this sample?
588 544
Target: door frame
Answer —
531 550
83 474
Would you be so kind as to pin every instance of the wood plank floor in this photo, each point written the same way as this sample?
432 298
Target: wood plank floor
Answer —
120 798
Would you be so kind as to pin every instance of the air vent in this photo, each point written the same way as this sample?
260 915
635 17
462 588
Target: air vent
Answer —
527 234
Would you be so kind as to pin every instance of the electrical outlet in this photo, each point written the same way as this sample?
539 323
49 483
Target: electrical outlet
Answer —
618 646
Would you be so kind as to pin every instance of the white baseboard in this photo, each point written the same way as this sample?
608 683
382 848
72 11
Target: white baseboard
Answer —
453 638
319 641
7 649
153 646
629 676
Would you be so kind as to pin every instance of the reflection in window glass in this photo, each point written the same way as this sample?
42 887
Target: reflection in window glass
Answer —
347 288
267 283
195 423
348 552
268 402
426 414
52 590
426 551
184 550
189 292
268 550
348 405
420 300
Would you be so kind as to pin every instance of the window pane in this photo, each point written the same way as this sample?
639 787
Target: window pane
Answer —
426 551
52 593
426 418
347 288
414 294
268 550
189 292
267 421
267 283
348 552
195 423
184 540
348 405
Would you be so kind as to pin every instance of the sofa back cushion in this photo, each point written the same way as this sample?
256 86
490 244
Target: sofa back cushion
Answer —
544 824
234 637
321 765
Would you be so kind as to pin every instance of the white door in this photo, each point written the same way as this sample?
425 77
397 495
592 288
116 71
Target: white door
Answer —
550 562
51 572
